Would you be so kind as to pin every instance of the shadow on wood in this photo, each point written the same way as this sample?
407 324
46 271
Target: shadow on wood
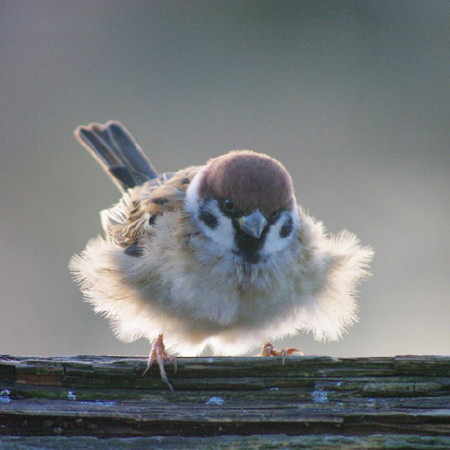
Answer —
228 402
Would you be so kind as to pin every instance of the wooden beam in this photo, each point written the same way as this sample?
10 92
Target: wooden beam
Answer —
248 401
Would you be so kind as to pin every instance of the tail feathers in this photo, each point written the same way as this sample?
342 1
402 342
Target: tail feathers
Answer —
117 152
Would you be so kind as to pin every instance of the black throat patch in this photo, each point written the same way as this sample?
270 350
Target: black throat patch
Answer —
248 246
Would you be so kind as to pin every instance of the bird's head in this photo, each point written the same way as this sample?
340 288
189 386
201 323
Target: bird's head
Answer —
244 202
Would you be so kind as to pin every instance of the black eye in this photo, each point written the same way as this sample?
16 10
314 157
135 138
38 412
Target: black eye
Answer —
228 205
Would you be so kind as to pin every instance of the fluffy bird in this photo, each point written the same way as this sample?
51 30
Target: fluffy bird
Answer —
219 254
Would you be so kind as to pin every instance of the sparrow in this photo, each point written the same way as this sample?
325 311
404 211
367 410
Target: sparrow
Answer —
217 255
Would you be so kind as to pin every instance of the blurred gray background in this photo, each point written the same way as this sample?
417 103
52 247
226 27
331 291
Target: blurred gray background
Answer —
352 96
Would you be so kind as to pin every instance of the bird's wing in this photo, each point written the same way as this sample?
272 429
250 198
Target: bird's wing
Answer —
132 218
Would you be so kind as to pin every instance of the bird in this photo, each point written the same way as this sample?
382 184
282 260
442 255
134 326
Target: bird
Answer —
219 255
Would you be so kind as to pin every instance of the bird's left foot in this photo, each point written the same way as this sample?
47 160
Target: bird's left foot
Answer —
158 353
270 350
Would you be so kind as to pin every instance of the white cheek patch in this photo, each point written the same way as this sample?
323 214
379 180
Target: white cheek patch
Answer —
274 242
222 232
191 203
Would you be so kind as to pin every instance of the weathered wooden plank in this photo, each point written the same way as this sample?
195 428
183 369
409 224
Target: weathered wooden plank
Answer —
104 368
107 397
268 441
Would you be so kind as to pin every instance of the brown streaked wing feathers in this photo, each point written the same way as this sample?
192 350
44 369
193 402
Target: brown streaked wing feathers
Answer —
147 201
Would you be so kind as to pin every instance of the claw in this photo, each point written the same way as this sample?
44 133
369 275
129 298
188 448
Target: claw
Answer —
270 350
158 353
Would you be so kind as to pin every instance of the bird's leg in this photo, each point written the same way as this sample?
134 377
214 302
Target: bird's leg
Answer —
270 350
158 353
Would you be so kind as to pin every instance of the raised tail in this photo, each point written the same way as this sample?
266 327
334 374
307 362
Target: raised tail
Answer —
117 152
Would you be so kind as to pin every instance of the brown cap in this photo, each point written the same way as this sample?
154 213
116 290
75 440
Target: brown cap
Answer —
251 180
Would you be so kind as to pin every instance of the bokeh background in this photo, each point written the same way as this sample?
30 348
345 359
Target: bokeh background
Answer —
352 96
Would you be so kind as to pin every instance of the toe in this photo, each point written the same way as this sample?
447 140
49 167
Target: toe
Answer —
158 353
270 350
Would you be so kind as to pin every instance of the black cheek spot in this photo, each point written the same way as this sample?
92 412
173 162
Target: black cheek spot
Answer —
286 229
152 219
207 218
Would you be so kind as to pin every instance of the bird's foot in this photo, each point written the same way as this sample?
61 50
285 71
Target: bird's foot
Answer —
158 353
270 350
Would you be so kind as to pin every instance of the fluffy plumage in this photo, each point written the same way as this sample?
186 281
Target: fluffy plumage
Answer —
217 255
